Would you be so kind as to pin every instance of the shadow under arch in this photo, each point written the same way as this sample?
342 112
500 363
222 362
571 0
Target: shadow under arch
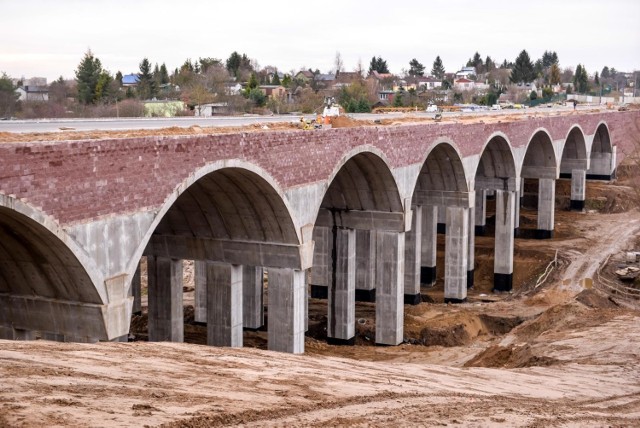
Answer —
602 155
574 152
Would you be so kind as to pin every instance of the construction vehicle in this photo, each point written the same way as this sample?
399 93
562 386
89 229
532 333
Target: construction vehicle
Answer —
330 111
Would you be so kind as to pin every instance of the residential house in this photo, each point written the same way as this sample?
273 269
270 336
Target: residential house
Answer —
463 84
33 93
130 80
305 76
210 109
273 91
466 73
428 83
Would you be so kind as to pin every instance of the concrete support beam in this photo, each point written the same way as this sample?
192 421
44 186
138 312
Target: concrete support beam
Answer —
443 198
568 165
456 254
252 297
136 291
480 212
389 288
471 248
166 320
442 219
602 166
429 246
286 310
518 202
493 183
252 253
320 276
363 220
578 189
503 258
200 293
540 172
224 305
546 207
413 259
365 266
341 320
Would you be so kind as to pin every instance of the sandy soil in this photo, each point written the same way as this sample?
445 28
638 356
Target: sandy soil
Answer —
554 353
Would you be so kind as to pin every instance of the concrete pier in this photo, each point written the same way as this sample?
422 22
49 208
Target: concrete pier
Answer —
471 248
578 189
321 270
224 304
413 259
456 255
341 322
503 257
429 246
252 297
480 212
136 291
546 207
200 293
166 322
286 310
365 266
389 288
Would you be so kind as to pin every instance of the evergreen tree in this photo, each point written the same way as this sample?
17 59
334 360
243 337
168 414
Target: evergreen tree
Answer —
103 87
251 84
576 77
147 87
164 75
549 58
118 78
605 72
596 79
286 81
476 62
379 65
437 70
87 75
8 96
236 62
523 70
415 68
276 79
489 64
554 75
581 79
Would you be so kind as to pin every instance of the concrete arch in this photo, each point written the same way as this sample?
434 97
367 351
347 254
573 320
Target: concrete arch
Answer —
38 258
362 180
601 140
602 154
442 169
574 151
497 159
233 215
540 157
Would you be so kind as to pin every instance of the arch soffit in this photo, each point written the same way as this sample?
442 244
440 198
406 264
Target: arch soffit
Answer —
497 134
600 124
192 179
536 132
566 138
50 224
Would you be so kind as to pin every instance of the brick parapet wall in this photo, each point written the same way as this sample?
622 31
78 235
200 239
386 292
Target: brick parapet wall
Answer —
76 181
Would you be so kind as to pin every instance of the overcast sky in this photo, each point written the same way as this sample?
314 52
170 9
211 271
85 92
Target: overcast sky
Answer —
49 37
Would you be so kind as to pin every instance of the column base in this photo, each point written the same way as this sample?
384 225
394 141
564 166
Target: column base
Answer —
366 295
454 301
576 205
543 234
565 175
441 228
200 323
598 177
341 342
252 329
470 278
427 275
480 230
319 292
502 281
412 299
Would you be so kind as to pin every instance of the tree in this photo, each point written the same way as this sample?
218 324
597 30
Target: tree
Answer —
533 95
438 68
476 62
8 96
379 65
206 63
286 81
554 75
276 79
489 64
415 68
549 58
522 71
581 79
605 72
237 64
355 98
251 84
596 79
103 87
147 87
338 64
87 74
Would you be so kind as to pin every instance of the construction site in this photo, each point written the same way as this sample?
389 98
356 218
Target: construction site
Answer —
561 349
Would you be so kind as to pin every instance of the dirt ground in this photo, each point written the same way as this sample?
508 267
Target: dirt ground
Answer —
559 351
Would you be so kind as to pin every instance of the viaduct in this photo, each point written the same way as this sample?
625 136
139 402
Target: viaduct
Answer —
340 213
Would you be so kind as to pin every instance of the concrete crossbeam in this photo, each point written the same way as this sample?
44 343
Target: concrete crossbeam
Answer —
495 183
364 220
444 198
540 172
252 253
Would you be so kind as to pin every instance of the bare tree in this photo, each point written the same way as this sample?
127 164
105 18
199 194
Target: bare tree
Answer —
337 63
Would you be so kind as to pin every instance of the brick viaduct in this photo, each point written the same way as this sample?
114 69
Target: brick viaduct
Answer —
342 213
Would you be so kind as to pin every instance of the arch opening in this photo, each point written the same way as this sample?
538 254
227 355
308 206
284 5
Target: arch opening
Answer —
602 156
574 153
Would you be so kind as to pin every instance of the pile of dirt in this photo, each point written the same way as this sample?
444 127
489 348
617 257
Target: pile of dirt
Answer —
347 122
511 357
594 298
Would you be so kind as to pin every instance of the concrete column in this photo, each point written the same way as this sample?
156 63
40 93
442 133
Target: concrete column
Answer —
136 291
320 273
24 334
518 202
546 207
442 219
471 248
200 293
429 245
456 254
503 258
252 297
307 275
413 259
578 189
224 304
166 319
341 320
7 333
365 266
286 310
481 212
53 337
389 288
